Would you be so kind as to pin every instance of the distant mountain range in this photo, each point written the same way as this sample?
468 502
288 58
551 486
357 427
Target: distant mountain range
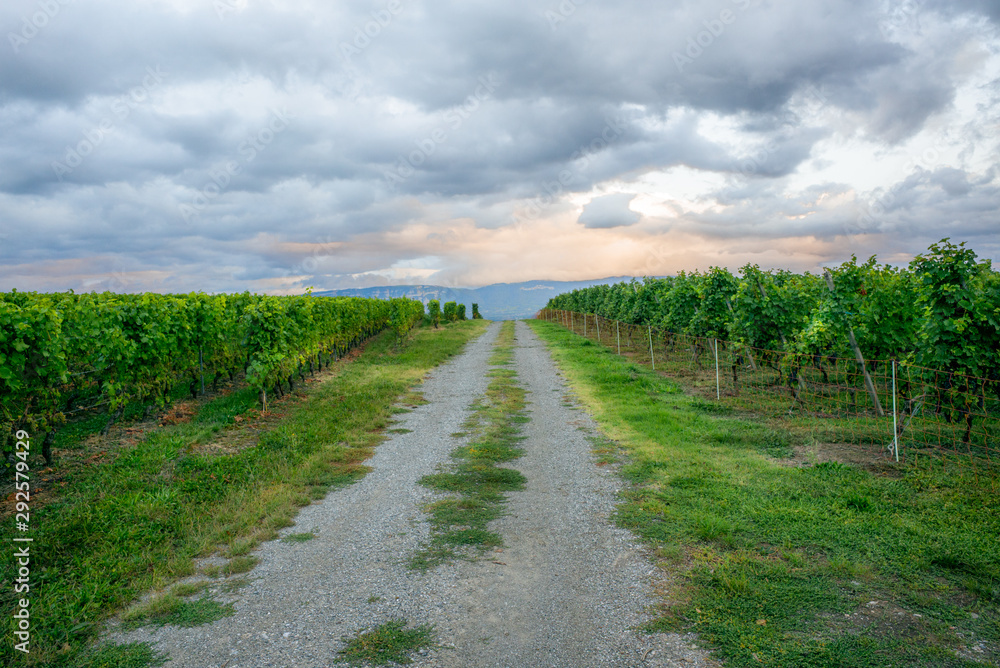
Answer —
501 301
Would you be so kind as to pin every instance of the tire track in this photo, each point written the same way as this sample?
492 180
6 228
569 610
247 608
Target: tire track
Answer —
570 587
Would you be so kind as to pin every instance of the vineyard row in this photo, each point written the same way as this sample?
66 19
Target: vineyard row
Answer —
941 312
66 352
936 321
904 411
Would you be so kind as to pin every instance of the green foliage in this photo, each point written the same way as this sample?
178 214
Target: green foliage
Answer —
713 314
942 312
450 311
772 308
878 302
405 313
959 331
434 311
460 312
32 362
113 350
475 312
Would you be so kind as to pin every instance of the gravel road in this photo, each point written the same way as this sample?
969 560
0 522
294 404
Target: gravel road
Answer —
567 590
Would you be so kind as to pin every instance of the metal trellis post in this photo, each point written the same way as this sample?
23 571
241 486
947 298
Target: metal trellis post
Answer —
651 359
895 432
718 391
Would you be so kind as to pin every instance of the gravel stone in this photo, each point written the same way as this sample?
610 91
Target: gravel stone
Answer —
568 589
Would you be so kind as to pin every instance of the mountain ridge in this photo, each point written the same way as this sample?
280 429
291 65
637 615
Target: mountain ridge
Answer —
499 301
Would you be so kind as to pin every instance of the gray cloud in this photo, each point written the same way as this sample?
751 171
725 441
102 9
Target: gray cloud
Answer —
609 211
143 135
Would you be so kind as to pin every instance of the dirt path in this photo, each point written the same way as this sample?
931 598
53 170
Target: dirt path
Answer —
571 585
566 591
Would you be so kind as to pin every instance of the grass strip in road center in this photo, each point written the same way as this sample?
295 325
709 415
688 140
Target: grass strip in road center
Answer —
780 565
473 481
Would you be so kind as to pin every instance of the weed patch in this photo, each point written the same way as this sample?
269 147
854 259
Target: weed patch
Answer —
132 655
387 644
474 482
299 537
189 588
170 609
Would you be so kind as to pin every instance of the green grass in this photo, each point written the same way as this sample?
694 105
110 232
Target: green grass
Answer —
135 519
238 565
390 643
474 483
771 564
299 537
189 588
232 585
83 423
225 409
828 412
132 655
170 609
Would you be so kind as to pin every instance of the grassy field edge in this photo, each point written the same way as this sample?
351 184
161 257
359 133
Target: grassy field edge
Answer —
773 564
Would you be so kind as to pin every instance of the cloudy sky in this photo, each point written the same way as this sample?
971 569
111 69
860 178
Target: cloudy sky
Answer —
271 145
